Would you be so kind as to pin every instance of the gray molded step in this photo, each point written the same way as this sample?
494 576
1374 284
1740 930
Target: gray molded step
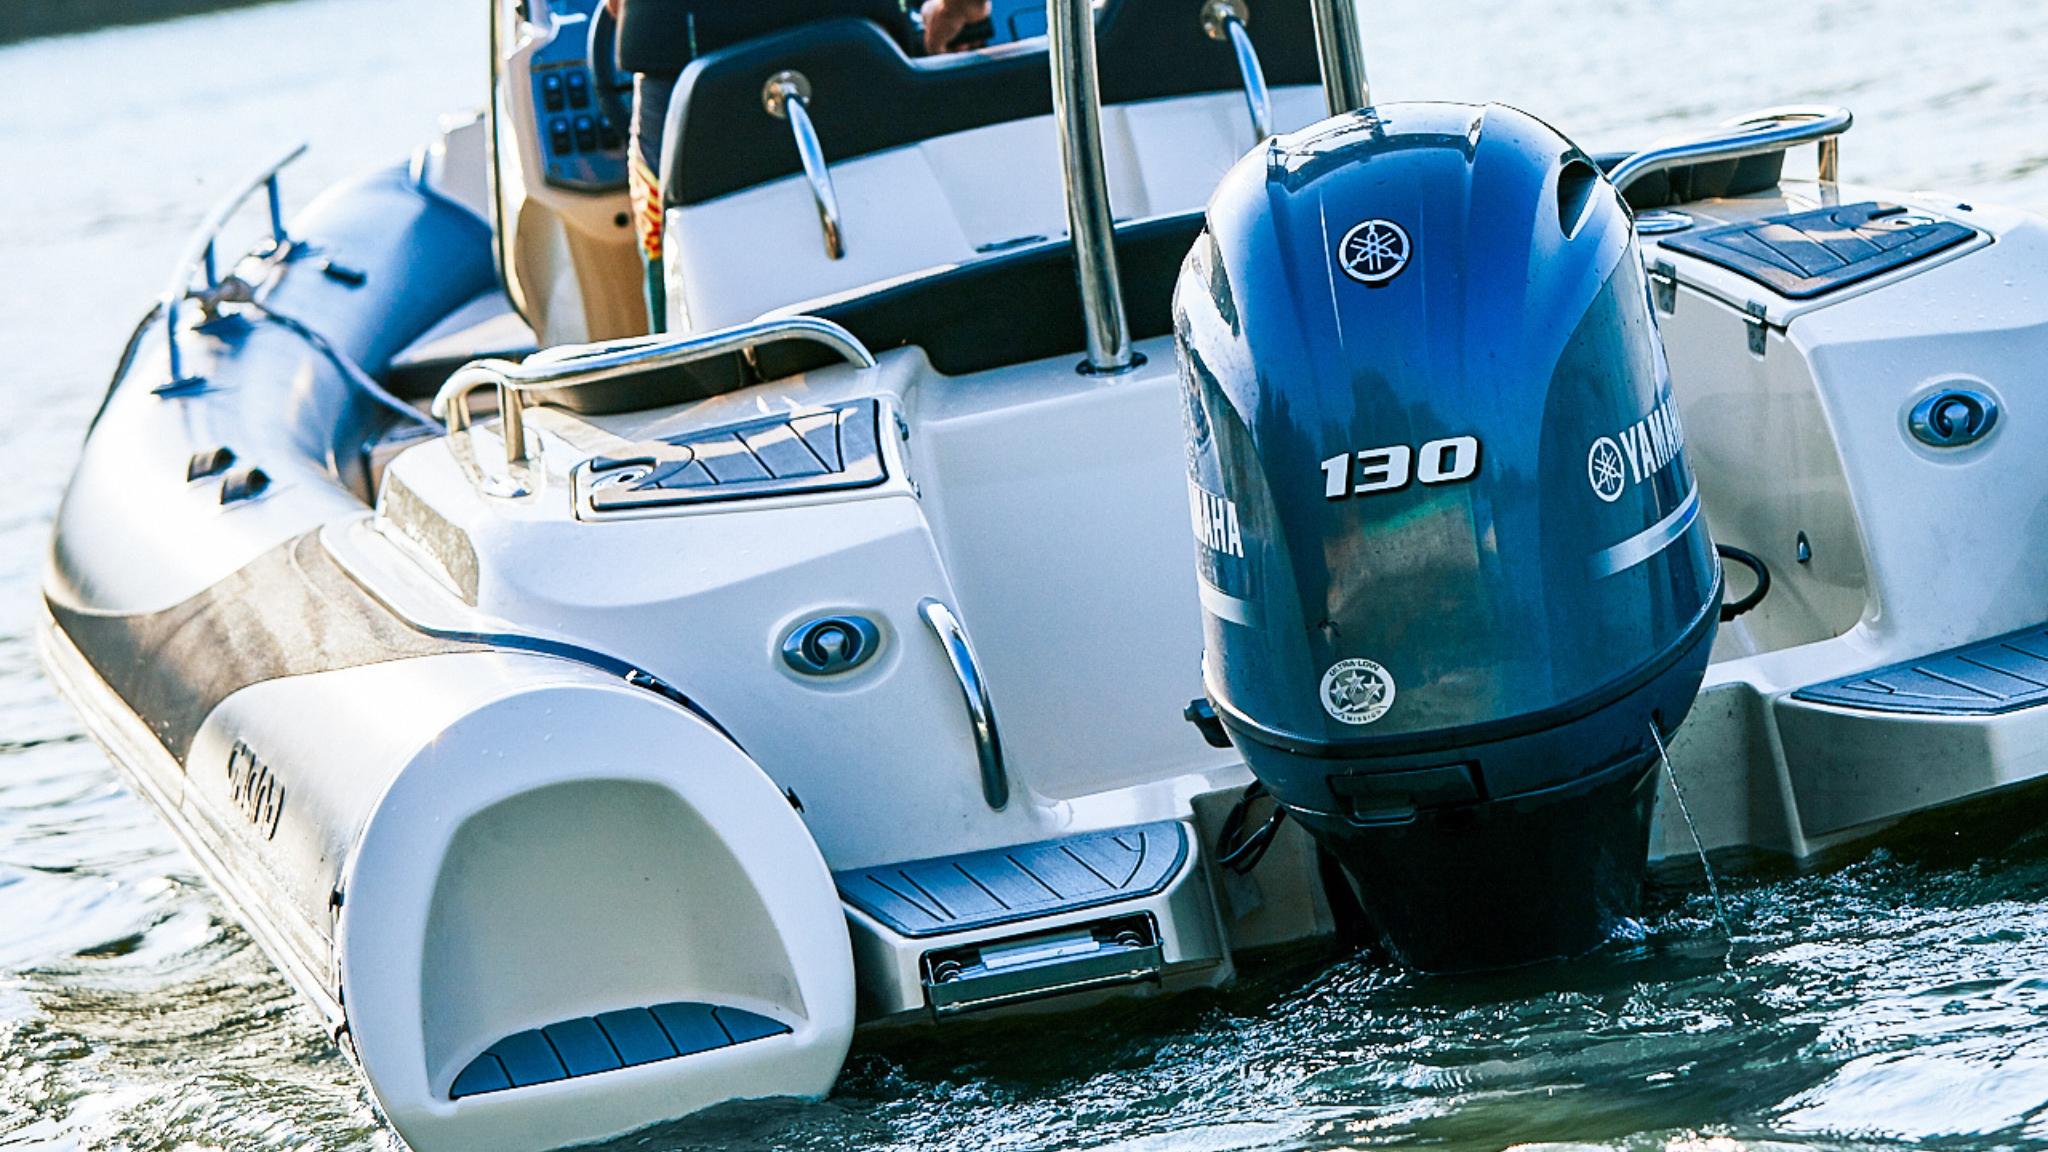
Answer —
2003 674
979 889
588 1045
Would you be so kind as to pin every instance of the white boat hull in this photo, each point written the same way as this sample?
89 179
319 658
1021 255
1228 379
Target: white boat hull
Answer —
567 777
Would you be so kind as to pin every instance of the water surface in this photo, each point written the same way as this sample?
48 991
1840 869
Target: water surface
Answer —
1899 998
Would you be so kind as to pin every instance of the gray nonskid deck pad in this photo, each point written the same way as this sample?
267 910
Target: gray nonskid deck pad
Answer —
1806 254
779 456
2002 674
1003 885
627 1038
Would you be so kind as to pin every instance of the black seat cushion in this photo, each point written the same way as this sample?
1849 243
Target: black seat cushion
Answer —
1020 306
661 37
869 96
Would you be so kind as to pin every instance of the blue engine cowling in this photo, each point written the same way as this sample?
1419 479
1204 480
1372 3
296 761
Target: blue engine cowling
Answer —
1452 562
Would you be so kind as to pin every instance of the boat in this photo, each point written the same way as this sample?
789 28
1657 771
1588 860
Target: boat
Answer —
1078 513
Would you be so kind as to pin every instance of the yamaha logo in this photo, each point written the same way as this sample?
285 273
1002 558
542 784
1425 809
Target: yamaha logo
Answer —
1636 453
1603 468
1357 691
1373 252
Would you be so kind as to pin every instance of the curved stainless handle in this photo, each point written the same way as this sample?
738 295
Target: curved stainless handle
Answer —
787 96
1758 134
575 366
981 714
1226 20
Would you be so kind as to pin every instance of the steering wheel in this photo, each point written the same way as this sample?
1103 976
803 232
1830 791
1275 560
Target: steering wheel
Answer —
613 90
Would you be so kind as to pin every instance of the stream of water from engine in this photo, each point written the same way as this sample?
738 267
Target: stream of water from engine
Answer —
1692 829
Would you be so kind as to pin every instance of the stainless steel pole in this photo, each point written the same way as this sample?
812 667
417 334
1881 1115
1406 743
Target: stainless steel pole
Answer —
1341 50
1077 110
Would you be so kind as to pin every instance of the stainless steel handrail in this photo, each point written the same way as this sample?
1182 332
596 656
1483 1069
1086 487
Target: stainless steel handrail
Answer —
1341 50
200 256
1077 112
1226 20
787 96
981 714
562 369
1758 134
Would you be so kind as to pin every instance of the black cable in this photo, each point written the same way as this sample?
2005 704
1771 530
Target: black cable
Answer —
1242 858
1755 564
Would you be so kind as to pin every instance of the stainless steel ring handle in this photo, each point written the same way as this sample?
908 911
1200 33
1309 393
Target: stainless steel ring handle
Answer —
1758 134
561 369
981 714
787 96
1226 20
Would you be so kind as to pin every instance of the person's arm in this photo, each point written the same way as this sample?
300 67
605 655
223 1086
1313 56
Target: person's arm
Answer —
944 19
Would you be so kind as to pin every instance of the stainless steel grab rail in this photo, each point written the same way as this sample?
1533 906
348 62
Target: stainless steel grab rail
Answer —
1077 114
1226 20
567 368
1758 134
787 96
981 714
1340 49
200 256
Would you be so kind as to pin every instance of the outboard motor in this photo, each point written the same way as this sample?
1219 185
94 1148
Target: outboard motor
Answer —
1452 563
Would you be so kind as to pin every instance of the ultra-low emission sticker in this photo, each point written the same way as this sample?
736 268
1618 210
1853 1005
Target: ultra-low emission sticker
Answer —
1357 691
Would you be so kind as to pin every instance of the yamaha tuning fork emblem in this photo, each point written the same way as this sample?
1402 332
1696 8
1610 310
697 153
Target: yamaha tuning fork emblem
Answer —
1604 469
1374 251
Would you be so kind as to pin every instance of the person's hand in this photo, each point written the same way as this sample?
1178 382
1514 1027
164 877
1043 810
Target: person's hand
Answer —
616 7
943 20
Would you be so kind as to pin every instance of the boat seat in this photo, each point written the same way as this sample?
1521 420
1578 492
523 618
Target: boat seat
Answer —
1013 308
484 328
661 37
869 95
